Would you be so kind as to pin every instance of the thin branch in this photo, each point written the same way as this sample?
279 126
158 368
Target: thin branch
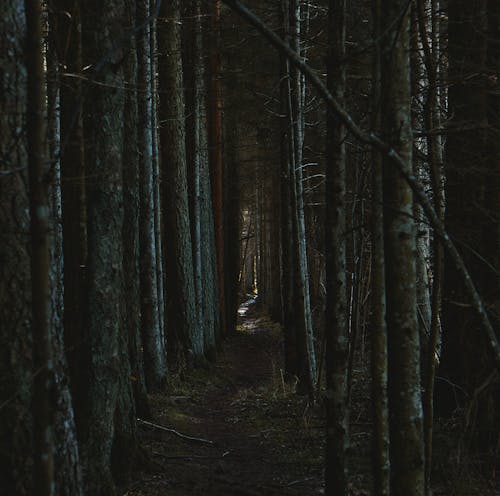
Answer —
173 431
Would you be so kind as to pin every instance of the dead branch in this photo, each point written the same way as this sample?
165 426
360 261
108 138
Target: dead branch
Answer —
173 431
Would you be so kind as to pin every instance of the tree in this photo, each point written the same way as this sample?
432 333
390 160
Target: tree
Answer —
184 335
405 409
335 249
153 340
104 132
15 362
200 194
381 463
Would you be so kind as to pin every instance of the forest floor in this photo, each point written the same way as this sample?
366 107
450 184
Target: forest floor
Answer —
241 431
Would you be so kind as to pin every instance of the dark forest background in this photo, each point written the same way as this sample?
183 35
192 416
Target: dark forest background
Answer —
162 160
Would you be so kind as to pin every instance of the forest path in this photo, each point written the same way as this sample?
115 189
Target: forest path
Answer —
264 440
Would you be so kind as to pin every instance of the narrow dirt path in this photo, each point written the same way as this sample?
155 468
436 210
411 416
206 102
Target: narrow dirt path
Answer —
254 435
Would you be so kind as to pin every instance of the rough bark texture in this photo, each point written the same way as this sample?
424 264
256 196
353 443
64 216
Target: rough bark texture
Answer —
406 451
381 463
184 336
37 147
15 290
67 32
287 276
306 361
202 222
216 154
337 430
155 366
131 317
66 456
103 25
125 449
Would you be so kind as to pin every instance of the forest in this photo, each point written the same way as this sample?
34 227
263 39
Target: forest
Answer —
250 248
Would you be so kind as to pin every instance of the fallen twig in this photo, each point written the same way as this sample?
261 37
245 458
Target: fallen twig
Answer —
173 431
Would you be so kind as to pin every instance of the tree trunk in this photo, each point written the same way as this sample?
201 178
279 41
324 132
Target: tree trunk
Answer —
216 153
406 449
102 26
381 463
337 438
15 338
155 367
287 275
67 33
184 336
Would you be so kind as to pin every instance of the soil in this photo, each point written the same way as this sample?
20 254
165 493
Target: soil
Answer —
241 430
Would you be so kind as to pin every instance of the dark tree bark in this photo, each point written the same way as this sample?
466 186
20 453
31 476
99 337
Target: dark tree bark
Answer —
306 360
216 154
184 336
472 171
126 454
66 455
15 288
202 220
131 318
381 463
67 33
103 25
287 275
155 366
37 146
406 449
337 438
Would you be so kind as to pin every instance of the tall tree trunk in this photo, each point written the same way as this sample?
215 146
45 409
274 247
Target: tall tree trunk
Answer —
209 285
337 438
406 450
184 336
381 463
232 226
43 364
15 290
305 339
103 25
216 153
287 274
430 37
153 342
157 175
66 455
67 33
125 449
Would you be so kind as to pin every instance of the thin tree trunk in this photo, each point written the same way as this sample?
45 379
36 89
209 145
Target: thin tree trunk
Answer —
67 31
157 176
287 273
216 161
337 438
42 407
434 150
305 338
66 455
381 463
153 344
